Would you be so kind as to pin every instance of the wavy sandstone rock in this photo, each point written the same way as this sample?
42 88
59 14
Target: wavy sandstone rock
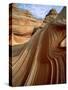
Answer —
21 25
40 61
50 17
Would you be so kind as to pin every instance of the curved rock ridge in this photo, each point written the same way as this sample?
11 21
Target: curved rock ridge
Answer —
42 60
50 17
21 22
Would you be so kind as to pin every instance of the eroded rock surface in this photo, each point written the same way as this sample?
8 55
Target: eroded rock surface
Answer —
21 25
42 60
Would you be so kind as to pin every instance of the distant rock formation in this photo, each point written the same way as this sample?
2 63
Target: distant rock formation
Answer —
21 25
50 17
61 18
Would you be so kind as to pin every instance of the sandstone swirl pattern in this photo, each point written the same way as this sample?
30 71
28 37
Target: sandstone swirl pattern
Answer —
21 25
41 60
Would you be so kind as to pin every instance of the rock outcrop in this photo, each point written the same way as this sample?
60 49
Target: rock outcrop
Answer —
21 25
50 16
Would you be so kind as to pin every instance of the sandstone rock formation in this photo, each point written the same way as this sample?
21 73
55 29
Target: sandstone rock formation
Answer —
50 16
21 25
41 60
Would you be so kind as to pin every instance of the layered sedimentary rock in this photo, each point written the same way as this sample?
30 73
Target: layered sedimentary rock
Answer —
42 60
21 25
50 16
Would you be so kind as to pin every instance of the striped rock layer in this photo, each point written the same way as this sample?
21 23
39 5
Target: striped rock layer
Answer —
42 60
21 25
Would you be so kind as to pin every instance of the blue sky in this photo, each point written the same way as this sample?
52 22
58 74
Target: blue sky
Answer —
39 11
